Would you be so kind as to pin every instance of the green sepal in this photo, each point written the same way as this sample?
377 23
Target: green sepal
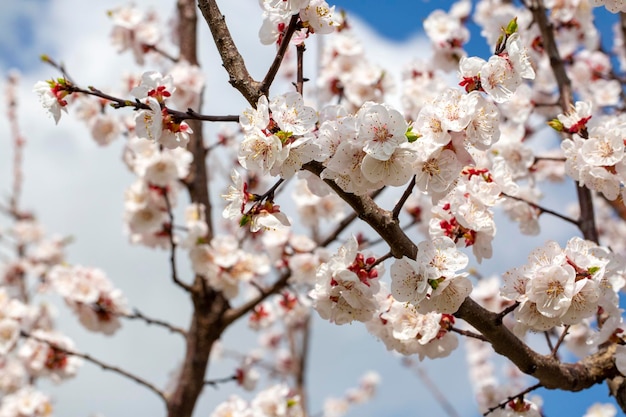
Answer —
245 220
284 136
412 136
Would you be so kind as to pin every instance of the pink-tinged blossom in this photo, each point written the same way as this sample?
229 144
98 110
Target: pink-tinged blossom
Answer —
154 85
576 119
47 356
52 97
381 130
274 26
268 217
409 283
26 402
319 18
238 196
402 328
189 81
91 295
345 288
234 406
395 171
291 115
518 407
552 289
437 173
252 119
483 129
104 128
9 334
149 123
134 30
259 152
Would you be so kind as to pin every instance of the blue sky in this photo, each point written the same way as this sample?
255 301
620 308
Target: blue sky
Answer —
56 155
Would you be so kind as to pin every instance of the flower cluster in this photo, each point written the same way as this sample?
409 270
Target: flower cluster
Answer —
46 354
346 286
92 297
315 16
595 152
276 401
564 285
225 265
156 123
403 329
431 282
52 95
134 30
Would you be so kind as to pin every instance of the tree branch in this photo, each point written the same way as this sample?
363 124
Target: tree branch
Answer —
138 315
587 222
99 363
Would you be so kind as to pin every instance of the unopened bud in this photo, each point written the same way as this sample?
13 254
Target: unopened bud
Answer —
556 124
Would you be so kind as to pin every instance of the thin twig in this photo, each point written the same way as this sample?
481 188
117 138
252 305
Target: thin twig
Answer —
99 363
332 236
161 52
519 395
507 310
214 382
543 209
58 66
405 196
549 341
118 103
380 260
264 88
302 365
170 234
467 333
300 68
137 315
560 341
235 313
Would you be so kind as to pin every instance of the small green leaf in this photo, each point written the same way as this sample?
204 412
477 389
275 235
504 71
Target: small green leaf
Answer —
511 27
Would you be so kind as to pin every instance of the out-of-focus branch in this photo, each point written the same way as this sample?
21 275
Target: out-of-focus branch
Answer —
18 144
587 221
431 386
99 363
236 313
302 365
138 315
170 234
543 209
